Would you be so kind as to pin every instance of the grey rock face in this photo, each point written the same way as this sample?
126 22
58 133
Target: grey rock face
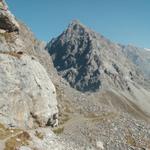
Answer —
72 52
10 40
25 42
28 97
88 61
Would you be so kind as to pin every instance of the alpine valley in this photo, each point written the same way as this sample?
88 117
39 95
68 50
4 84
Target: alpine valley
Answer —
79 91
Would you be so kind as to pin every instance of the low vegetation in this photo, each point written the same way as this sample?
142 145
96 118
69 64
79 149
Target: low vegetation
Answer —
21 139
39 135
58 130
13 53
6 132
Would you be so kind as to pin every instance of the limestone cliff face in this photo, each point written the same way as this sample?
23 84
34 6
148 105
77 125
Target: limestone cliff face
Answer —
28 97
25 41
27 94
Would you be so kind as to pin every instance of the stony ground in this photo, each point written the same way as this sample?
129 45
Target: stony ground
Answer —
92 123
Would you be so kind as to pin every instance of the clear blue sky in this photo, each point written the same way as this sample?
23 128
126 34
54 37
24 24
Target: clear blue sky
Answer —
124 21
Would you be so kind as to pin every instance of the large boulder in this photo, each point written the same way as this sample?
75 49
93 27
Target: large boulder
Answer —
28 97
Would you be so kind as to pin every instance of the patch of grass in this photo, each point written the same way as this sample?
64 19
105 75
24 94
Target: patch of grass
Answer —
5 132
2 126
39 135
21 139
67 109
9 37
64 118
130 138
58 130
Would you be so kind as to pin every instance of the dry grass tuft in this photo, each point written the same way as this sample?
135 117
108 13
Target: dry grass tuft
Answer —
64 119
9 37
13 53
39 135
130 139
58 130
21 139
5 132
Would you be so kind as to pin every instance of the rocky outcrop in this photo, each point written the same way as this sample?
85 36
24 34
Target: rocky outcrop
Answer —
28 97
88 61
25 42
7 20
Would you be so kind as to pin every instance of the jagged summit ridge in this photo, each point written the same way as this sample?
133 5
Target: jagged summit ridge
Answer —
87 60
75 22
72 56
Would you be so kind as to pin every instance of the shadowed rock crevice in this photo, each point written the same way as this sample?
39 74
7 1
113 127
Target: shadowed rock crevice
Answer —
6 24
7 20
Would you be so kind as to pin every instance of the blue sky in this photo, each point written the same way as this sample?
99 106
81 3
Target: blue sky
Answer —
122 21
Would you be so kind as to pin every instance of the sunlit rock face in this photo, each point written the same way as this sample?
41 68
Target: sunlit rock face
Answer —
89 61
28 97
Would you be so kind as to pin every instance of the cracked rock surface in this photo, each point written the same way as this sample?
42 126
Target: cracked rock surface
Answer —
28 96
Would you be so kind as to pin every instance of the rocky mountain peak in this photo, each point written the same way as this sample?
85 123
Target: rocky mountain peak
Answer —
87 60
75 22
77 26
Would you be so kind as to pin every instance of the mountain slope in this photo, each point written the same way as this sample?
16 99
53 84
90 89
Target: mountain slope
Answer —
27 102
140 57
112 98
89 62
110 109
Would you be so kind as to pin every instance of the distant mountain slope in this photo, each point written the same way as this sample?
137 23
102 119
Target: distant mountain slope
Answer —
88 61
92 63
140 57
